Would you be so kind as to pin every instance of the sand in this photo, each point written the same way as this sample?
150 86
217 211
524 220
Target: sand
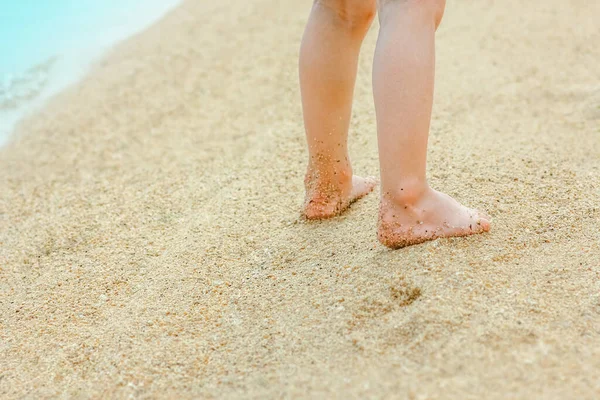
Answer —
151 244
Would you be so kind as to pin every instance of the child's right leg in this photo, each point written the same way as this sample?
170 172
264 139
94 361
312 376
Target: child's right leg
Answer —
403 75
328 64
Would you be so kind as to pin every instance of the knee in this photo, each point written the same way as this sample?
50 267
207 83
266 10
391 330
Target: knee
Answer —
430 9
355 14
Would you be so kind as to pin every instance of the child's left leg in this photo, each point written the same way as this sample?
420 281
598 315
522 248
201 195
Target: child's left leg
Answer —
328 65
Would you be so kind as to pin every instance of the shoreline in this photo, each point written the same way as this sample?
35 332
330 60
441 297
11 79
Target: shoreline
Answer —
24 93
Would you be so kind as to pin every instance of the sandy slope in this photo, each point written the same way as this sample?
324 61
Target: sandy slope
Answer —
150 243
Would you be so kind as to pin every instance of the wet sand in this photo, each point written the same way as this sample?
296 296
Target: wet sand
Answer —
151 245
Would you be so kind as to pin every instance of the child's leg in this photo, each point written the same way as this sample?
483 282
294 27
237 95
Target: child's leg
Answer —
410 211
328 64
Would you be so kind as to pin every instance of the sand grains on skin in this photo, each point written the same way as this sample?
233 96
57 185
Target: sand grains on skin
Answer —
326 200
409 220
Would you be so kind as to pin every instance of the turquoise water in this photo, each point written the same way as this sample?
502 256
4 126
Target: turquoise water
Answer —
48 44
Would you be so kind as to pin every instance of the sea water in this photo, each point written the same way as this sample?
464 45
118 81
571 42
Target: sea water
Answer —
46 45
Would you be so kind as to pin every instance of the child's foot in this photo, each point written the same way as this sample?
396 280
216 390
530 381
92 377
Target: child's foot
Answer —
413 217
326 198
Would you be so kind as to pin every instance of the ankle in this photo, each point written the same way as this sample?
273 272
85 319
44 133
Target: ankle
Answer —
405 193
336 172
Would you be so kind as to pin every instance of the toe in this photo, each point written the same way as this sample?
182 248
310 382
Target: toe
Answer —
362 186
484 221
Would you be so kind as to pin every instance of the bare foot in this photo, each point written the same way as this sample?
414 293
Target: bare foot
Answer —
412 217
326 198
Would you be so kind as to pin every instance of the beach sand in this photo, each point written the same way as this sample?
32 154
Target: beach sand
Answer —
151 244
